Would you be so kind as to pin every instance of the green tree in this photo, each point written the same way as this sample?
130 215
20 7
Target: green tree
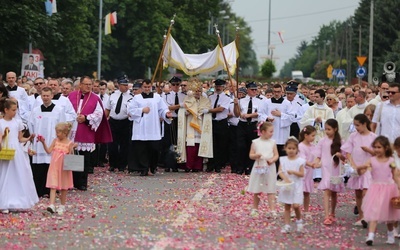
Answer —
268 68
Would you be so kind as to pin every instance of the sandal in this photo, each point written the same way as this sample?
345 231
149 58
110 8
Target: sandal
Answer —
327 221
332 217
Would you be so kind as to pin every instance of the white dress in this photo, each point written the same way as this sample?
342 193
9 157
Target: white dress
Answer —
294 194
263 183
17 189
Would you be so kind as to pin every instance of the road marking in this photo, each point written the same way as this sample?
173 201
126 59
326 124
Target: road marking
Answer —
186 213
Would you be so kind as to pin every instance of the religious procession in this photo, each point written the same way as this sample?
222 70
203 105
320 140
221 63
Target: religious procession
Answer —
299 152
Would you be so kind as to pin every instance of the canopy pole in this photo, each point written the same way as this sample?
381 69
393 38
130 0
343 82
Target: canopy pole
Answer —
223 54
162 52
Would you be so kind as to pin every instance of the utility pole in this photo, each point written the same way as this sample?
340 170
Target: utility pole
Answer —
269 28
100 39
359 49
371 42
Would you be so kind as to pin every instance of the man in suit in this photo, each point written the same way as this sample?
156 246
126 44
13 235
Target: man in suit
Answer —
31 65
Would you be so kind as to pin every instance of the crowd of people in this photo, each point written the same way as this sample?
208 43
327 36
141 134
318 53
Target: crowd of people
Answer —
302 133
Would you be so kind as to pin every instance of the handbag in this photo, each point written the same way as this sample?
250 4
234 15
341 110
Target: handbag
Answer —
6 153
335 180
74 163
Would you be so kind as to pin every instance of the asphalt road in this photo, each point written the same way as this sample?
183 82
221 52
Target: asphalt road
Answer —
176 211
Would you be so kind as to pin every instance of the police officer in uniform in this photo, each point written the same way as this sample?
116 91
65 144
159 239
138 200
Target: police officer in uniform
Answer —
219 112
120 125
173 99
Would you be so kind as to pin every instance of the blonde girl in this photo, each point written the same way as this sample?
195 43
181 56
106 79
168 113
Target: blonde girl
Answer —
57 178
264 152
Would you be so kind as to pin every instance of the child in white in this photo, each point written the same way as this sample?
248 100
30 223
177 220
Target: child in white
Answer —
17 189
263 175
291 170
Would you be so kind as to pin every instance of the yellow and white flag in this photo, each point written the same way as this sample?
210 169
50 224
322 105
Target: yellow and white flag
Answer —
193 64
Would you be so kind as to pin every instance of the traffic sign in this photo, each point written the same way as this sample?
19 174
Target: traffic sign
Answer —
341 74
361 72
329 71
361 60
334 72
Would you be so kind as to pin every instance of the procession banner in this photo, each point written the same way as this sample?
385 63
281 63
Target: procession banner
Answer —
193 64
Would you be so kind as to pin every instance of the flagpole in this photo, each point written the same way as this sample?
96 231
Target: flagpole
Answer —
100 39
237 60
162 50
223 53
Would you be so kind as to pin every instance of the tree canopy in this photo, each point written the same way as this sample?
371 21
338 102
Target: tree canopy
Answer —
68 38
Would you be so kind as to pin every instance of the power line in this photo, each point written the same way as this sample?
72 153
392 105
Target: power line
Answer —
301 15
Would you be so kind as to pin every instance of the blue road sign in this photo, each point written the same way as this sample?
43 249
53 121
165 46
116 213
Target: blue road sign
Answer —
334 72
341 74
361 72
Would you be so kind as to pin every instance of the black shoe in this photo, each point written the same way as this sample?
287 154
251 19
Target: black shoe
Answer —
247 172
121 170
195 170
111 169
364 223
167 170
209 170
317 180
187 170
82 188
175 170
217 170
90 172
239 172
144 173
355 211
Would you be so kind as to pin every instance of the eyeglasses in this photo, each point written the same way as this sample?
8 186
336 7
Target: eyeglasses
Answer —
37 83
369 93
329 99
183 85
392 92
385 97
252 89
175 84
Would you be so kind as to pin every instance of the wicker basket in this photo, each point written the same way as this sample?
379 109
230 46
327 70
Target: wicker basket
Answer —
6 153
336 180
395 201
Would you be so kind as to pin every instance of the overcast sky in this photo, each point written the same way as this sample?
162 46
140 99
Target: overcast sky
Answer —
297 20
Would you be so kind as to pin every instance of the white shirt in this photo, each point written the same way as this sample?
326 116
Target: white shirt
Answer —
62 102
147 127
389 119
258 105
23 103
223 101
169 99
281 123
112 104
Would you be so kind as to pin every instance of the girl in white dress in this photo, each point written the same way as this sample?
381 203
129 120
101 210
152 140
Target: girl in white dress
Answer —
17 189
291 170
263 174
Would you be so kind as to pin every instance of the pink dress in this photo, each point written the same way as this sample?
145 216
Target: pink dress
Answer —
328 166
353 146
305 152
376 203
58 178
